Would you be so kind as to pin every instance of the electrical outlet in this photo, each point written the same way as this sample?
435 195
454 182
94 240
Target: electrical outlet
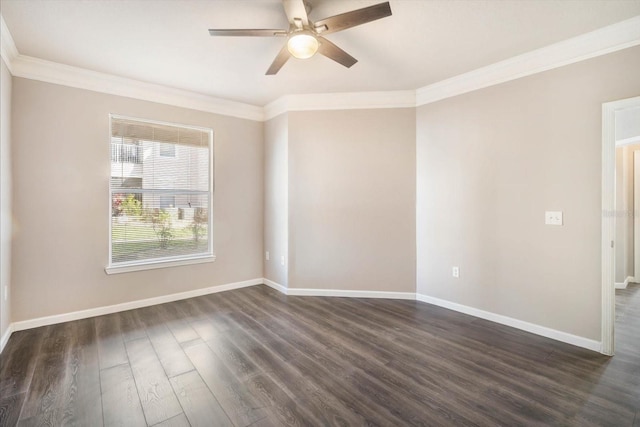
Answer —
266 255
282 260
455 272
553 217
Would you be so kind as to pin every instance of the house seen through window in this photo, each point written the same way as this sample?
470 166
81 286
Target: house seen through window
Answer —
161 192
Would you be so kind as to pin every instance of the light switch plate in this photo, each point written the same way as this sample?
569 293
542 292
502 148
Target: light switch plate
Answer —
553 217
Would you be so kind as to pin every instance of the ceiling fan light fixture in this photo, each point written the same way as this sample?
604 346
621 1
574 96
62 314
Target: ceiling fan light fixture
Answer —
302 45
305 38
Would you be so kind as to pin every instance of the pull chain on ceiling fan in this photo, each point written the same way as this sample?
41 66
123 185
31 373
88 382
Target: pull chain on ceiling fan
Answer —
305 38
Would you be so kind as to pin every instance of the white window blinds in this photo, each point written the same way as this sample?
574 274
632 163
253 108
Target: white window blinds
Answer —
161 192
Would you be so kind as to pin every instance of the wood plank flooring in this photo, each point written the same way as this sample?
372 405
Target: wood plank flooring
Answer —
254 357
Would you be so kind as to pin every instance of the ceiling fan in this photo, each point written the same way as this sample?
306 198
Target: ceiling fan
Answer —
305 38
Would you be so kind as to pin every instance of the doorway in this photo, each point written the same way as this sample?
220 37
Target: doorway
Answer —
612 132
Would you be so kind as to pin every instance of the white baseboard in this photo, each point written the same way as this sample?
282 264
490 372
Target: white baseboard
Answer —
306 292
493 317
274 285
99 311
350 293
508 321
6 336
514 323
626 282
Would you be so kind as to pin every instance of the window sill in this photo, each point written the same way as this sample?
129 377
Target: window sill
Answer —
152 265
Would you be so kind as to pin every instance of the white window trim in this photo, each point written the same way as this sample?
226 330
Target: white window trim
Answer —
159 263
127 267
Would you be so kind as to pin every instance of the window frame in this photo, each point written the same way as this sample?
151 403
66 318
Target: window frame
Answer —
172 261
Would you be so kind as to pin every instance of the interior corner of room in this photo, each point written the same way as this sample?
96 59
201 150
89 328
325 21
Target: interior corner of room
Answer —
339 201
442 229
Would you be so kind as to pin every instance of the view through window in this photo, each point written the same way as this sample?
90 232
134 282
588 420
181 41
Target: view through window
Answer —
161 192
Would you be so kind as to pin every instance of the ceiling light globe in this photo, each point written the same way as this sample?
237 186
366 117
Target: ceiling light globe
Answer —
302 46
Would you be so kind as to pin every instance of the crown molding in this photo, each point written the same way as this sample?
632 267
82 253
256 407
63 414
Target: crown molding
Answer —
52 72
340 101
628 141
605 40
8 50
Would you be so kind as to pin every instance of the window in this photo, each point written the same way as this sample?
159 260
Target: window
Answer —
161 194
167 150
167 202
125 151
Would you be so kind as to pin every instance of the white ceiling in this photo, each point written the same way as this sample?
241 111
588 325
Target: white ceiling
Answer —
166 41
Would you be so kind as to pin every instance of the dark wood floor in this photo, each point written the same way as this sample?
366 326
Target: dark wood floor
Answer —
254 357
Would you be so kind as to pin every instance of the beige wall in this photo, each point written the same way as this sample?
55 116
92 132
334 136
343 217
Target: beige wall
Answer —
490 163
625 212
61 171
630 212
5 195
352 200
622 209
276 194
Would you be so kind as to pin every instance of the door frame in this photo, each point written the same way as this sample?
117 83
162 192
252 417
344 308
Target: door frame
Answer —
608 313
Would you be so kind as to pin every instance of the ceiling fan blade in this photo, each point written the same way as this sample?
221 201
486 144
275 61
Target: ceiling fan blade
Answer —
295 9
248 33
332 51
353 18
280 60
